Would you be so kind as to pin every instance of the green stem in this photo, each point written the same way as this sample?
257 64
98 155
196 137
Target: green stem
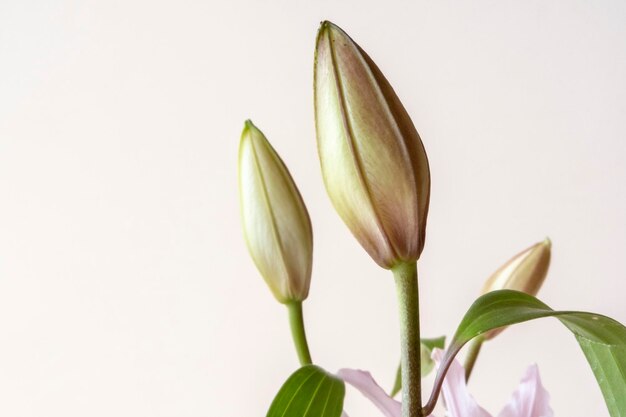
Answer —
472 354
296 323
405 275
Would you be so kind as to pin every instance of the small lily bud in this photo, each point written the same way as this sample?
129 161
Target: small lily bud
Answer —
373 161
276 223
525 272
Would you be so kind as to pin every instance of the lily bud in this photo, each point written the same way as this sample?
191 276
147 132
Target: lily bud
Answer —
276 224
525 272
373 161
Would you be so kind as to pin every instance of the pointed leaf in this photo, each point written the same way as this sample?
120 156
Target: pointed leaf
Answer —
309 392
602 339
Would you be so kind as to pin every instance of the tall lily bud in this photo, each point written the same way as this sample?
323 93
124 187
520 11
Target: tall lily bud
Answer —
373 160
525 272
276 223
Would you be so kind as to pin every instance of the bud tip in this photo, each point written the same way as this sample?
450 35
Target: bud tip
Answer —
248 127
327 25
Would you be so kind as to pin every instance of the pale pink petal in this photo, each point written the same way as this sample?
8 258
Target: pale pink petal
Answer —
457 398
363 381
530 399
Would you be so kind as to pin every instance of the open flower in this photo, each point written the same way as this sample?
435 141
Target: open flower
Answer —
530 399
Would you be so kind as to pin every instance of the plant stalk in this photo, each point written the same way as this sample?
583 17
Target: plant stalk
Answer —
296 322
472 354
405 275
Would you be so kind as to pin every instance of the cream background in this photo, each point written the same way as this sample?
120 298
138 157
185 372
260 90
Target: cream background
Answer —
125 286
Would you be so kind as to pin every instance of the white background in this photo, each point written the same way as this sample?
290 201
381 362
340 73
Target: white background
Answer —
125 286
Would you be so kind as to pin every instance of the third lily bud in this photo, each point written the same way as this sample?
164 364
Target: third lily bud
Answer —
525 272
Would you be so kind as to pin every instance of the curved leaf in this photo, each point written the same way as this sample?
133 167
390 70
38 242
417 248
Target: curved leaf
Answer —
602 339
309 392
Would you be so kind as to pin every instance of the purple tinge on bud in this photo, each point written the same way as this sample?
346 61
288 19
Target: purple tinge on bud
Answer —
276 223
525 272
373 161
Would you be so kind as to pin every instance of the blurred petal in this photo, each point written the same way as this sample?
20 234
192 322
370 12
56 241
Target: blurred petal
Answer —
458 400
363 381
530 399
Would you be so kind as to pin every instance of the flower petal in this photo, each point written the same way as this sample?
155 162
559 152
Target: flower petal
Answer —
458 400
530 399
363 381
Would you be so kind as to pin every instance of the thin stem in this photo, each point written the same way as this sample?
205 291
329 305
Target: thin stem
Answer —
472 354
405 275
296 323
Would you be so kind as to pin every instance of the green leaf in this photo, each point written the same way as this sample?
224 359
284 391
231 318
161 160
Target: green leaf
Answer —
310 392
434 343
426 350
602 339
427 363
